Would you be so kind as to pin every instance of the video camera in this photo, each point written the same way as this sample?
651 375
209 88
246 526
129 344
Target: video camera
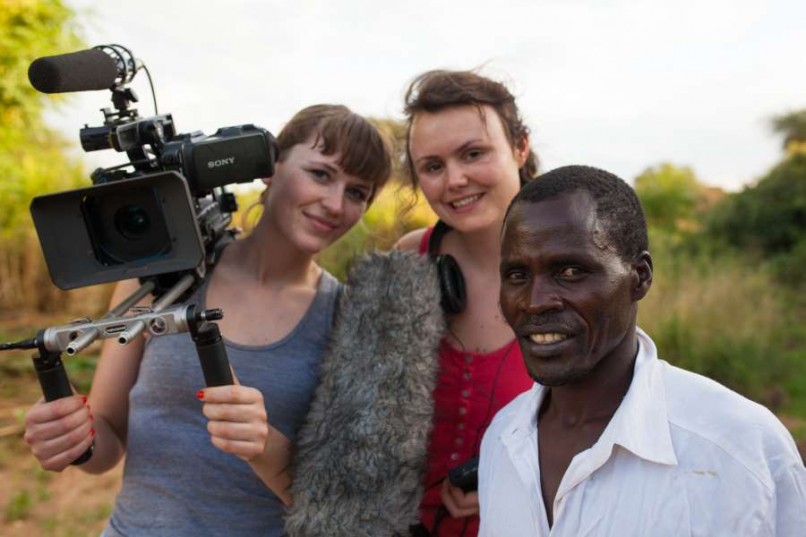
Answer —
162 217
158 217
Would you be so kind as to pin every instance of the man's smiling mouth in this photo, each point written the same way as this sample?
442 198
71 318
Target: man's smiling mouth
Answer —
545 339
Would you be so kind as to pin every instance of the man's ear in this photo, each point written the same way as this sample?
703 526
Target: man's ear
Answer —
642 271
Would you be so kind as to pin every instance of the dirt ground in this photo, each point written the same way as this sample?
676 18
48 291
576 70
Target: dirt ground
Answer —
35 503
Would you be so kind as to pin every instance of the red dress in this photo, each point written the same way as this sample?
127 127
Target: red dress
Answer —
471 388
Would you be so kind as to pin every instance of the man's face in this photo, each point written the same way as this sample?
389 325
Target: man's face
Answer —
566 292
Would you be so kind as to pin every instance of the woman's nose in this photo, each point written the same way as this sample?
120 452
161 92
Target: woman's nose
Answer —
456 176
334 200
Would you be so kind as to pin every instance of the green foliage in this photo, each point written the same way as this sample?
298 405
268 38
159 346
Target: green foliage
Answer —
792 126
670 195
768 218
18 506
394 213
726 318
395 133
29 29
33 158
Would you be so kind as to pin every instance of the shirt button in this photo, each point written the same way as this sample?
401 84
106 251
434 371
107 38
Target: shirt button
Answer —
469 358
467 375
462 411
459 441
461 426
465 393
454 456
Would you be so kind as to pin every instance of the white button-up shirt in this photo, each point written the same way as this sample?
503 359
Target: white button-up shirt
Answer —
681 456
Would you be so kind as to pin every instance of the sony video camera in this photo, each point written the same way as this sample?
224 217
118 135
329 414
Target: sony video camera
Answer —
159 216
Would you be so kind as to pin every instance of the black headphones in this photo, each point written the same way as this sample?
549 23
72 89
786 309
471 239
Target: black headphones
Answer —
451 279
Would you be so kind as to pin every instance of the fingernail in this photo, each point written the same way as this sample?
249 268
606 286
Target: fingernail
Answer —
84 399
92 432
200 394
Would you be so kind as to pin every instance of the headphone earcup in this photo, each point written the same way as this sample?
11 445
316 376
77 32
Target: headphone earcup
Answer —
451 283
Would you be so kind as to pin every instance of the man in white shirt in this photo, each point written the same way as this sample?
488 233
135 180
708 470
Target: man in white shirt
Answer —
612 441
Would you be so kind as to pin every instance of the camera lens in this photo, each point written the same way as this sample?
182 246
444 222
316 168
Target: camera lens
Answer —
132 221
126 224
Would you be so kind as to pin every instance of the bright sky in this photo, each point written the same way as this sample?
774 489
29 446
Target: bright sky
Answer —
619 84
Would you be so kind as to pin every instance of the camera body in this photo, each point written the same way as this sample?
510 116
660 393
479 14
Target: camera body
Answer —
162 217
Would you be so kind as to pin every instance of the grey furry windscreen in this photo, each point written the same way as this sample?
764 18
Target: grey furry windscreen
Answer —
360 455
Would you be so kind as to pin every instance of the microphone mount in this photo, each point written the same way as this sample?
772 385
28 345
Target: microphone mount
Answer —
127 64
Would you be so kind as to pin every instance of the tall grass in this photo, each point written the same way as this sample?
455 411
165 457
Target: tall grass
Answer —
728 319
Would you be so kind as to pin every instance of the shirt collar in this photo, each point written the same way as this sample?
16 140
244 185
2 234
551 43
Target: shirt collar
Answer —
640 425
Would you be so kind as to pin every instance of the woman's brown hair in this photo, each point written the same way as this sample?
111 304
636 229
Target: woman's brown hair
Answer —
337 129
363 149
437 90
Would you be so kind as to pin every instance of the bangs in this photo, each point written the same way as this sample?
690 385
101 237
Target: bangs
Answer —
363 151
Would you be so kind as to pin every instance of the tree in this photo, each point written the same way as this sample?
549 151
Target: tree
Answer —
793 128
395 133
33 158
670 196
769 217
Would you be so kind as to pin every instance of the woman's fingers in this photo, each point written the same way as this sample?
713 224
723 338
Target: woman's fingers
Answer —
237 419
458 502
58 432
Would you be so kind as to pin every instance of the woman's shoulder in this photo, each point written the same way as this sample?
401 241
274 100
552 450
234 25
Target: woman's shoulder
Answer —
412 241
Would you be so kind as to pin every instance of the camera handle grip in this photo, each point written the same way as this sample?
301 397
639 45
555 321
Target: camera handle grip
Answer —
466 475
55 385
212 355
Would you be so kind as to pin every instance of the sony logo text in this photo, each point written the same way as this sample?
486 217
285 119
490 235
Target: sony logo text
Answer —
220 162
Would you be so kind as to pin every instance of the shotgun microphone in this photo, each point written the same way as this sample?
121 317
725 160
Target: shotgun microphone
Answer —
86 70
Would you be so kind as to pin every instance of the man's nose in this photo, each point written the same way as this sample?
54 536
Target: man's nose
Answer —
543 297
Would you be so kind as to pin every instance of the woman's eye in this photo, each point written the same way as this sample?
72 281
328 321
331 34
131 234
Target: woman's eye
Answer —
474 154
319 175
358 194
431 168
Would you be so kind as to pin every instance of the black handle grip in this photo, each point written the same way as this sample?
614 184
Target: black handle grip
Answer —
465 476
213 355
55 385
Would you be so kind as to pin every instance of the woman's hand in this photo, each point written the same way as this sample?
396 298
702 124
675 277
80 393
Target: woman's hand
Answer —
238 422
59 432
459 503
238 425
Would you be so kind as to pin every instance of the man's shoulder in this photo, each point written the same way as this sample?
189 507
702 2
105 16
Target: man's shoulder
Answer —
707 413
686 390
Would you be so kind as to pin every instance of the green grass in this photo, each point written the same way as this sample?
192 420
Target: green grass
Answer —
729 320
18 506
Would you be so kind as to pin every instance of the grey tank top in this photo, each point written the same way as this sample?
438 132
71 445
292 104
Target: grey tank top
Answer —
175 482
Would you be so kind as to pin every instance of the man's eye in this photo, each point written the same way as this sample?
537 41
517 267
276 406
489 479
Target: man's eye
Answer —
571 273
515 276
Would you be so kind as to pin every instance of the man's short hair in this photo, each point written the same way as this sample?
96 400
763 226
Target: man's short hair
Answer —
618 209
